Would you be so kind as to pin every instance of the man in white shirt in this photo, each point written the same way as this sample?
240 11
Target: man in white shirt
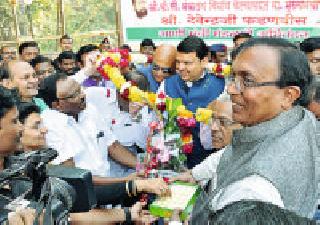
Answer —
80 134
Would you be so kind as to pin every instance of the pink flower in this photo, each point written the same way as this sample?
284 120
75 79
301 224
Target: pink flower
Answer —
191 122
153 125
124 62
187 148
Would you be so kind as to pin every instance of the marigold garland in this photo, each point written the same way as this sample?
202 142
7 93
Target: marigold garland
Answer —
109 64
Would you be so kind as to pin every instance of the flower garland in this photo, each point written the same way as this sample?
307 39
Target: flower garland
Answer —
220 70
109 64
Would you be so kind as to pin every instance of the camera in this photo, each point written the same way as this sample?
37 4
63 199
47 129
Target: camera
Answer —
58 189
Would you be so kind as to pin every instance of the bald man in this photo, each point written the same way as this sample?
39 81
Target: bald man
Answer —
163 66
22 77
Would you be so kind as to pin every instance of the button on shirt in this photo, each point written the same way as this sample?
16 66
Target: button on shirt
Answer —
86 141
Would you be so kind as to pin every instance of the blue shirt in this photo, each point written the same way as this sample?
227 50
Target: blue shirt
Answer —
147 72
202 92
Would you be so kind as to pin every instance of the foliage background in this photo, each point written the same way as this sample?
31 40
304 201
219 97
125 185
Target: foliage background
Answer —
85 20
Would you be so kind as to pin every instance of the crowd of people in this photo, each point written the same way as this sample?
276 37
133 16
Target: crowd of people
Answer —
257 161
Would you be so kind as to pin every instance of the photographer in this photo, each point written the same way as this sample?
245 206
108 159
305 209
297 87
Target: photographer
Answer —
10 130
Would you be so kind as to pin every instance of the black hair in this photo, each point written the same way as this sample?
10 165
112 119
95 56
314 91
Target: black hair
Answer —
66 55
193 44
147 42
84 50
27 108
126 46
27 44
250 212
7 101
105 41
241 35
310 44
293 65
139 79
48 91
66 36
39 59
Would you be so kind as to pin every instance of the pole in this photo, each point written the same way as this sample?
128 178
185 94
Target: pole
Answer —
118 22
15 21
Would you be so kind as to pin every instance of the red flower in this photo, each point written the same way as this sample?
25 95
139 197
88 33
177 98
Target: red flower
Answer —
161 95
125 94
219 68
149 149
110 62
124 62
150 59
161 106
153 125
181 122
187 148
124 53
166 179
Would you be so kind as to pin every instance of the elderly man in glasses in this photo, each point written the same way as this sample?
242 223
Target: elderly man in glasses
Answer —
216 135
273 157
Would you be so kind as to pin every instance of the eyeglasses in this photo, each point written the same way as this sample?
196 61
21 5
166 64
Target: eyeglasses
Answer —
155 67
242 83
315 60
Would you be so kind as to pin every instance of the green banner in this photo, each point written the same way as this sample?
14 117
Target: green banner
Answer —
219 33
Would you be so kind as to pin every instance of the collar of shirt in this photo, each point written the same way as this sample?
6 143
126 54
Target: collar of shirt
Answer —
190 83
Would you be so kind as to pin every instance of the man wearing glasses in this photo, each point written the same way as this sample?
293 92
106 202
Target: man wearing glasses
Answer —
163 66
273 157
195 86
220 136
